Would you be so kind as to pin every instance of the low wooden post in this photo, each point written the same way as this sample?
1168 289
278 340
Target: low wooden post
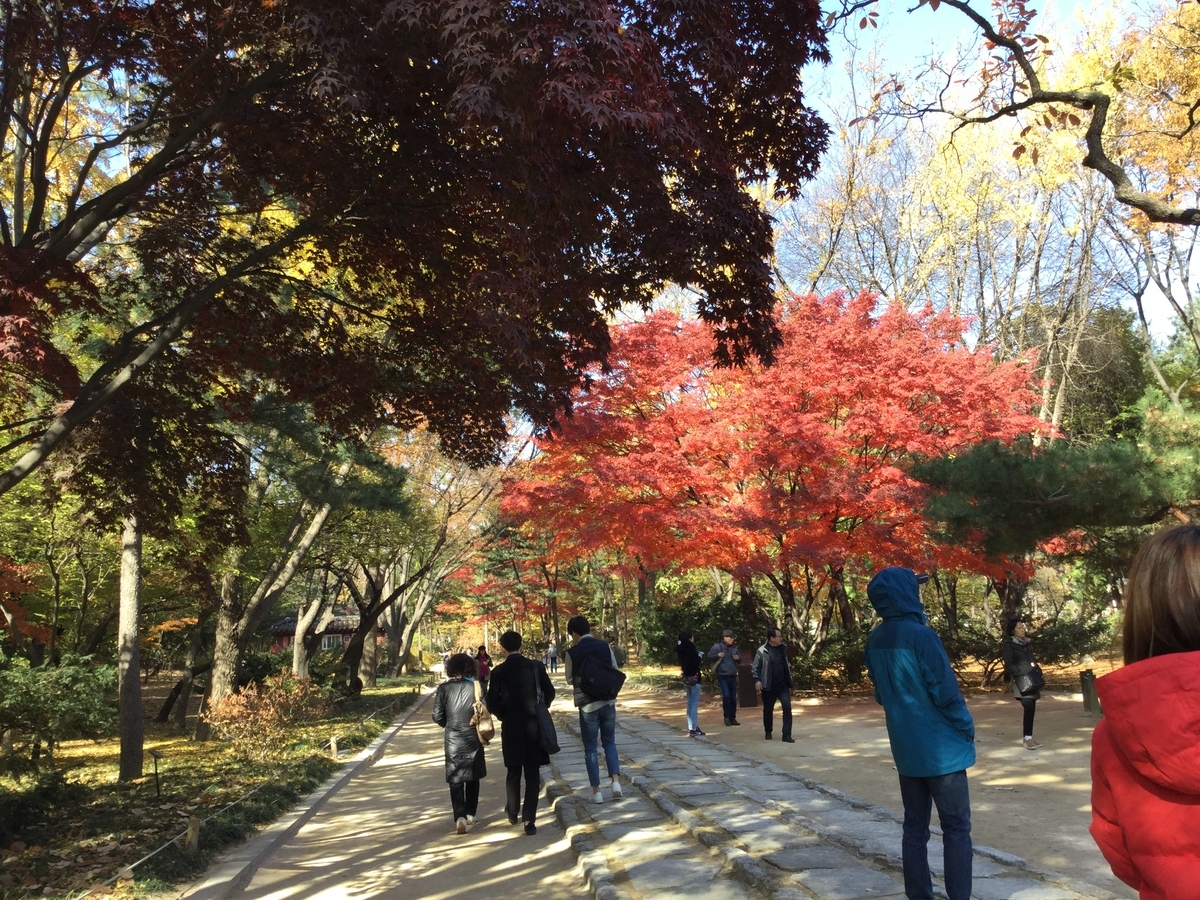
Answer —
193 834
333 750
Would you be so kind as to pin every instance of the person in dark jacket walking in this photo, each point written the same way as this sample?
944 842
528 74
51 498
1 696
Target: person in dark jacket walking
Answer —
597 718
773 680
1018 660
512 698
453 707
689 672
930 730
726 657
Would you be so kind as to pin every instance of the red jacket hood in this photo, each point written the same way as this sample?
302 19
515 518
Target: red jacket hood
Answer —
1153 713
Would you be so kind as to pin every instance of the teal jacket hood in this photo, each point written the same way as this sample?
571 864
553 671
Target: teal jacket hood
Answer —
895 594
929 726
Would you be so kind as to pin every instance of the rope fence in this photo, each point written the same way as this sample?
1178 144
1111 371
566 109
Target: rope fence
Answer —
191 834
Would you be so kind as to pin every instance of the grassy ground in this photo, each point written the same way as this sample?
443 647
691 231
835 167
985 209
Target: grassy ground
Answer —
78 826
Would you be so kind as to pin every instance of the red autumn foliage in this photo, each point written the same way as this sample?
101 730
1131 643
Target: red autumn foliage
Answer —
14 618
676 462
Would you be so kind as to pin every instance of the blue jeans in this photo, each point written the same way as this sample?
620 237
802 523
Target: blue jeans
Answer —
728 695
602 722
693 705
953 801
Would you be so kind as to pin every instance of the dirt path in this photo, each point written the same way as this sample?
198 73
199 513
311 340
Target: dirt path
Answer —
1034 804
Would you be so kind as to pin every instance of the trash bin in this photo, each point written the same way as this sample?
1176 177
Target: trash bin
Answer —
1087 686
747 696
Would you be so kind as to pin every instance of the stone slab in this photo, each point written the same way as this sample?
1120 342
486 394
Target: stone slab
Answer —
855 883
699 789
1017 889
661 875
813 855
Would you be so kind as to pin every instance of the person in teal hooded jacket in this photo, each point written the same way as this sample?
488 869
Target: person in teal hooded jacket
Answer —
931 732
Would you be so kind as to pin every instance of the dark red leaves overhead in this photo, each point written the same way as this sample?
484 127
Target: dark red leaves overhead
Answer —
487 178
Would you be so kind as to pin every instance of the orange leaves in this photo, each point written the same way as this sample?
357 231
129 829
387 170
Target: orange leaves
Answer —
676 462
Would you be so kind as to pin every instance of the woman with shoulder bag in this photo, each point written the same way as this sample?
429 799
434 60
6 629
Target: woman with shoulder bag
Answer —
1025 675
454 710
689 667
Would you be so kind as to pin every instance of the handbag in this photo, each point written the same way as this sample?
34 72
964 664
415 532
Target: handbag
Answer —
1029 682
690 680
482 719
549 736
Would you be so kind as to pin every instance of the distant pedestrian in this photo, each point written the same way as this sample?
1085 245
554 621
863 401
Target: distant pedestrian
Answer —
552 650
689 672
931 732
597 718
485 666
1146 750
772 676
512 698
727 657
453 707
1018 661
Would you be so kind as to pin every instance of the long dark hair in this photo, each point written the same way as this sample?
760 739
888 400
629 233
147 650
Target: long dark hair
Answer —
1162 595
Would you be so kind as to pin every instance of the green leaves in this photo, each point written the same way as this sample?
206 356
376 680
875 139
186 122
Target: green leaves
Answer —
1007 499
53 703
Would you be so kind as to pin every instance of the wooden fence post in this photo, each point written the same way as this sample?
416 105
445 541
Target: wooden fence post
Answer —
193 834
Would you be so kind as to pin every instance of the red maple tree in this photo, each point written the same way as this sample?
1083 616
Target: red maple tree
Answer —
769 470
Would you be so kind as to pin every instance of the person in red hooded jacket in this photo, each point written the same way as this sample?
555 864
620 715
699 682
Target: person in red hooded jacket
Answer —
1146 749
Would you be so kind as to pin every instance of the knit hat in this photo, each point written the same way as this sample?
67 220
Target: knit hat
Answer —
728 632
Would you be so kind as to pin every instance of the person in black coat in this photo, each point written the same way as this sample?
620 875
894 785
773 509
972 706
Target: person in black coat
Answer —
689 671
453 708
1018 660
512 698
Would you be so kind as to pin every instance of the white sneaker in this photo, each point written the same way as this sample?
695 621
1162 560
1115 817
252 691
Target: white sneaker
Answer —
597 797
460 825
616 789
470 821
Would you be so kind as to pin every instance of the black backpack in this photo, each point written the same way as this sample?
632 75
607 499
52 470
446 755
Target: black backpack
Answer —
598 679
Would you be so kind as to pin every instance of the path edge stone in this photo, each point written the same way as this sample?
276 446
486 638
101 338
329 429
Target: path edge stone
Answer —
234 872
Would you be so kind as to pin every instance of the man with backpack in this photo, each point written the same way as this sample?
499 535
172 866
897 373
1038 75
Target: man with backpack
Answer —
591 664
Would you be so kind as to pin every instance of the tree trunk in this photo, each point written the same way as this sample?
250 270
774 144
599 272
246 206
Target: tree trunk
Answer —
368 663
190 671
129 689
1011 591
100 632
237 621
392 625
316 616
749 609
227 653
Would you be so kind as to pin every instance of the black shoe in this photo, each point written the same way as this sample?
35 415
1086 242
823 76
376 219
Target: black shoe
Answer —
512 820
729 721
530 828
769 736
789 740
734 722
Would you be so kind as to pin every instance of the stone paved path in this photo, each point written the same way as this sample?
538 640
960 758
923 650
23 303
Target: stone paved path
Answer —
705 820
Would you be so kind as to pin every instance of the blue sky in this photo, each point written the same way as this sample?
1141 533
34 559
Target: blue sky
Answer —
907 36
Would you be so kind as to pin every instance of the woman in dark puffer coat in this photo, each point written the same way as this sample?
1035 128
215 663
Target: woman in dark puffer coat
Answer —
453 707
